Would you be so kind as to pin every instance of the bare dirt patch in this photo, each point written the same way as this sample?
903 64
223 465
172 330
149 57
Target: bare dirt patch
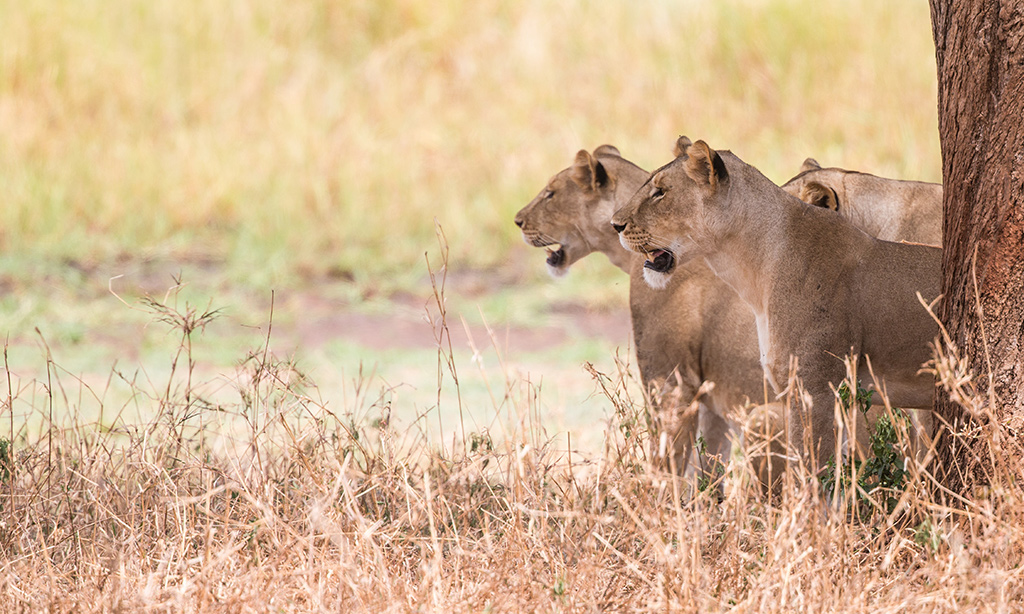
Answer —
411 322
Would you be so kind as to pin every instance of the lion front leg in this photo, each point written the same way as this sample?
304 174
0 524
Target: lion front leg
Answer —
812 425
714 431
676 409
764 437
810 411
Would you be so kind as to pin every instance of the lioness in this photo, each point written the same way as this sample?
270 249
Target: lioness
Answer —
695 325
819 287
570 215
890 209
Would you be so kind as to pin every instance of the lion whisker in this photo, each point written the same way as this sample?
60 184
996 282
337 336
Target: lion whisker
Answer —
548 237
661 241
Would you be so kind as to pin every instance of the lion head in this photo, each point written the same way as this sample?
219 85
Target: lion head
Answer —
667 218
569 217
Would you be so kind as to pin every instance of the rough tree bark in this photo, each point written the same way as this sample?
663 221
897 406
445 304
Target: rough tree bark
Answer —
979 50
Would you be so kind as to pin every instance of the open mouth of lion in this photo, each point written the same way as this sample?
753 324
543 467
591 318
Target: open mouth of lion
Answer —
556 257
660 261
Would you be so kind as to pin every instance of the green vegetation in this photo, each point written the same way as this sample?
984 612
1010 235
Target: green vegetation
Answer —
884 469
6 460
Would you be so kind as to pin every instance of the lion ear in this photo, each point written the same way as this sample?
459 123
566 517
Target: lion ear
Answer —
819 195
607 150
602 179
583 169
588 173
704 165
682 144
810 164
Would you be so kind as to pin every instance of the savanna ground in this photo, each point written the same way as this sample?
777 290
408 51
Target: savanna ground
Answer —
232 384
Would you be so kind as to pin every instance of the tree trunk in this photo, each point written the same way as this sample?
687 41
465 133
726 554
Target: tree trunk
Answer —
979 51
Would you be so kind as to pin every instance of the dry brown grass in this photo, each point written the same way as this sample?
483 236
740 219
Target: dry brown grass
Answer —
275 502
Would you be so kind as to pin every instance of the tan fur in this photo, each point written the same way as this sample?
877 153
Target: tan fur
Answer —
820 288
695 326
573 209
890 209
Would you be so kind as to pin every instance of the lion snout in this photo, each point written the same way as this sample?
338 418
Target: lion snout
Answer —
633 240
532 237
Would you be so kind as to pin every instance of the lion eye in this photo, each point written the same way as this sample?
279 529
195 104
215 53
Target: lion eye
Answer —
549 194
657 192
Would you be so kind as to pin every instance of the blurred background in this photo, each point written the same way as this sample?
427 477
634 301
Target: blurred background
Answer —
312 148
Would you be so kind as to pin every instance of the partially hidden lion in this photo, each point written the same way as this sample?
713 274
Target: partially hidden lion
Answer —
890 209
693 330
819 287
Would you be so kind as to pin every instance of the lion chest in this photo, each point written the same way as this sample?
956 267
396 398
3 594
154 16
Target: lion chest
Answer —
766 348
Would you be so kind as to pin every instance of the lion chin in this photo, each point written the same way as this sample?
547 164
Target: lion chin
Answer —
557 271
656 280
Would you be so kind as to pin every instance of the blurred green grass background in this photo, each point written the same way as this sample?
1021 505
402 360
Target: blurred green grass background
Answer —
289 141
308 147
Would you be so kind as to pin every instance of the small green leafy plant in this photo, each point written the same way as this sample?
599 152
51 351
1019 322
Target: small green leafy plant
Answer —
6 459
928 535
878 481
711 467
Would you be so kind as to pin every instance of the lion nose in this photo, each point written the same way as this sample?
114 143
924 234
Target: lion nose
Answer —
618 227
519 223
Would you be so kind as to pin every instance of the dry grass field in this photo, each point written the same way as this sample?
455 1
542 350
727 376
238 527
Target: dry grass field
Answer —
268 500
154 459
